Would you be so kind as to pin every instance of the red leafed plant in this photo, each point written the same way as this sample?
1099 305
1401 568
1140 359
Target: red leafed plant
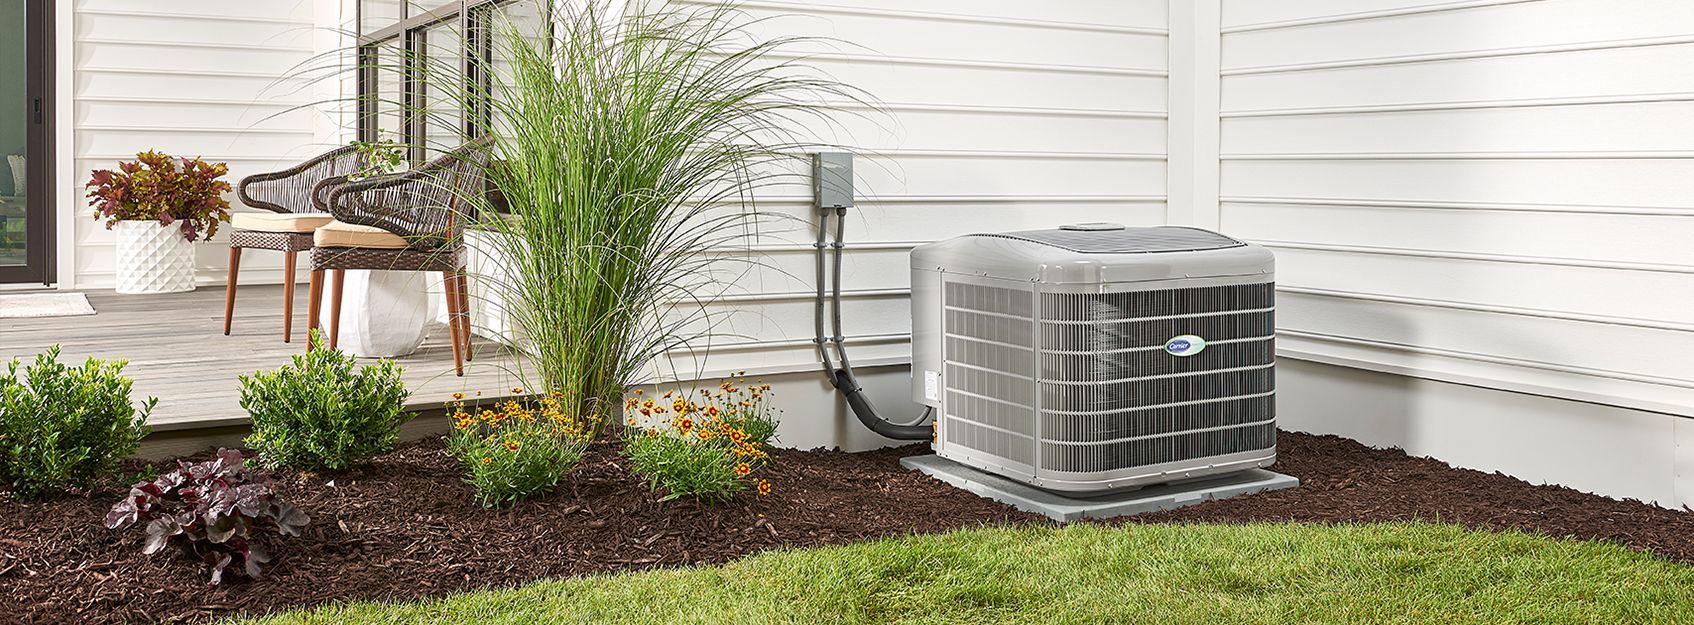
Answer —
164 188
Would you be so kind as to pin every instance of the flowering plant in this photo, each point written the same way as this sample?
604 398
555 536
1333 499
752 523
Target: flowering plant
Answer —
707 444
154 188
516 450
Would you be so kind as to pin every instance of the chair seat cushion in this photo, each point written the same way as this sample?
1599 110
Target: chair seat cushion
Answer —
279 222
339 234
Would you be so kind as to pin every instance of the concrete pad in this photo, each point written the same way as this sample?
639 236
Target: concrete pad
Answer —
1066 509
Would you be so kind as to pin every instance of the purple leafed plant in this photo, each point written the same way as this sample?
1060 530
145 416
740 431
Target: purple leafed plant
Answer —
218 506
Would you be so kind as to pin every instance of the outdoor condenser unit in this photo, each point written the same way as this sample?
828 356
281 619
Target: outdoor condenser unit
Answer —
1096 357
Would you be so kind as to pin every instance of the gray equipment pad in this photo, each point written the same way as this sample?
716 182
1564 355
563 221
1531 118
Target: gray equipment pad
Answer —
1065 509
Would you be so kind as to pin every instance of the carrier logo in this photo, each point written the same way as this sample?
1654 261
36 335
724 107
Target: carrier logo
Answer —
1185 345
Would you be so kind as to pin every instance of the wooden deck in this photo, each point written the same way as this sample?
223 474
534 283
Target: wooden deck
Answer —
177 352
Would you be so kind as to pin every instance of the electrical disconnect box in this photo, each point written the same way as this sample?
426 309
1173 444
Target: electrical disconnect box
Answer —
832 179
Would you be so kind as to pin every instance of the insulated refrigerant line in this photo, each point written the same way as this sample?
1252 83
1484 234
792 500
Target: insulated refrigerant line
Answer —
842 377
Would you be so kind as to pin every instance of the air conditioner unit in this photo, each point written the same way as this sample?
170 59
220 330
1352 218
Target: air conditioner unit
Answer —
1096 357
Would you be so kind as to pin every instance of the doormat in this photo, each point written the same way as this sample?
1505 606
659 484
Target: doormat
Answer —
22 305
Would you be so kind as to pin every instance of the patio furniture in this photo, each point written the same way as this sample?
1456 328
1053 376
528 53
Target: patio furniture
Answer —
288 228
413 221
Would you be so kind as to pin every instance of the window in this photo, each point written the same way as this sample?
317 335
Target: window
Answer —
418 58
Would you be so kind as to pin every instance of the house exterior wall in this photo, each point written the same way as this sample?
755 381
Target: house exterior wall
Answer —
189 78
1000 115
1490 194
1479 207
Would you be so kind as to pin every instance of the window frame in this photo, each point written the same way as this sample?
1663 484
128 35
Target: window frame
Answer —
410 34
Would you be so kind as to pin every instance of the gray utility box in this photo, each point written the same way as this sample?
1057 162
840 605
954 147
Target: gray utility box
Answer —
1096 357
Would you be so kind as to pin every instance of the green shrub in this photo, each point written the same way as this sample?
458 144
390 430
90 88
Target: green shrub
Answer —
324 412
66 427
516 450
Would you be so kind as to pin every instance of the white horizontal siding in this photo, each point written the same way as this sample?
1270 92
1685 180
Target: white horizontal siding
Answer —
995 116
190 78
1502 188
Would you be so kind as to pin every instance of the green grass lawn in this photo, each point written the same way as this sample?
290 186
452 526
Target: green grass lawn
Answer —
1269 573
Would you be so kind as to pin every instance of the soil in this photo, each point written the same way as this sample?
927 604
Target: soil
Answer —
405 528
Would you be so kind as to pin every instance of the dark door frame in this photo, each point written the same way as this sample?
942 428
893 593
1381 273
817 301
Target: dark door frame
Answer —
40 152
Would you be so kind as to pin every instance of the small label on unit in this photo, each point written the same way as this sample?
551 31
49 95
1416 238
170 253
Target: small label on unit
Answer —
1185 345
932 385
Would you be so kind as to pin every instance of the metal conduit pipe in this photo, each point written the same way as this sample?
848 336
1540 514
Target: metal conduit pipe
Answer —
842 377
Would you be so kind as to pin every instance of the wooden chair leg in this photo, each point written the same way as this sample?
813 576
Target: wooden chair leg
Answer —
229 287
314 298
452 289
465 315
335 308
287 296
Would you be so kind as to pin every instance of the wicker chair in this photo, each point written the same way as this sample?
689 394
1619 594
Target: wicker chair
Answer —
294 215
412 221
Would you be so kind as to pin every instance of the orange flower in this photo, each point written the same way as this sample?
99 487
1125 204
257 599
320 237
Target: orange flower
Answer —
741 470
764 487
486 460
684 425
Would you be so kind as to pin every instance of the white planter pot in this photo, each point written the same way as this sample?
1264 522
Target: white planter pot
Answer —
489 267
384 314
153 258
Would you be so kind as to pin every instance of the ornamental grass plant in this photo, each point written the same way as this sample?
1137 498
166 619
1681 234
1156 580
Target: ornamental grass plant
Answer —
629 147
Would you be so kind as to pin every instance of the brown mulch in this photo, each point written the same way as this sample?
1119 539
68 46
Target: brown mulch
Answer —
1344 481
405 528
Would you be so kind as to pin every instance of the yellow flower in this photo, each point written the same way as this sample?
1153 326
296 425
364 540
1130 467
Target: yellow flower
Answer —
512 445
741 470
711 411
764 487
517 390
458 396
684 425
486 460
638 391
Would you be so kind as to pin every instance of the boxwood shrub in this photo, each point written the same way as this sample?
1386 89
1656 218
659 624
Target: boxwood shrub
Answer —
323 411
64 427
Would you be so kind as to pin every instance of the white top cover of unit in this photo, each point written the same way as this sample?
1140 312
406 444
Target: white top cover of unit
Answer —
1096 253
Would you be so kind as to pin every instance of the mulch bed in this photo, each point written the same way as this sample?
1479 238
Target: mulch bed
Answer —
404 527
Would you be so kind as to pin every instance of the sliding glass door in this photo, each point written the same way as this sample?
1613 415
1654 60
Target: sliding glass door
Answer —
24 121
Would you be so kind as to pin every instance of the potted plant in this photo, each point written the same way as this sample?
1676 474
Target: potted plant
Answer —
379 158
158 206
